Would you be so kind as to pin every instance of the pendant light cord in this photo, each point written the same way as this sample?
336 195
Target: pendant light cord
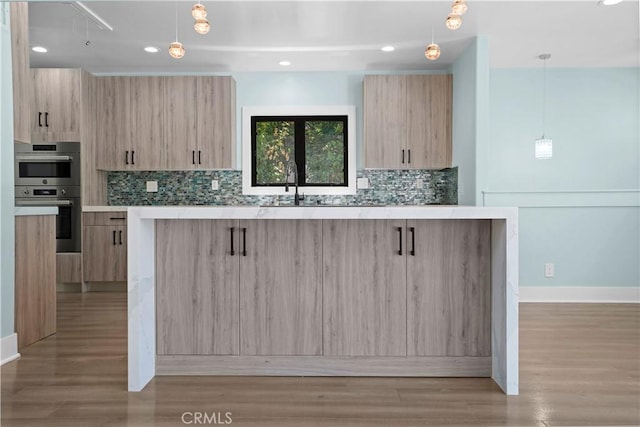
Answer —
176 20
544 94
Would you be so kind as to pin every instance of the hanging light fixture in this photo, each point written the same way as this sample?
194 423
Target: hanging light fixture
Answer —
176 50
459 7
198 11
544 145
454 21
432 52
202 26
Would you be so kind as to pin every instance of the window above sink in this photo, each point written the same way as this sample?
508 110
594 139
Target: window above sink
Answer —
319 140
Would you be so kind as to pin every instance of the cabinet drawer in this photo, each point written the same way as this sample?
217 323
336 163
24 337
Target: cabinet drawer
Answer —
105 218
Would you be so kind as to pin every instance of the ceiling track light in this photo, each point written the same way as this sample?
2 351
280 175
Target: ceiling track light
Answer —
459 7
176 50
91 15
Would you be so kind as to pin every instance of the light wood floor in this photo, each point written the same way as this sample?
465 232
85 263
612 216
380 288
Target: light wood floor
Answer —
580 365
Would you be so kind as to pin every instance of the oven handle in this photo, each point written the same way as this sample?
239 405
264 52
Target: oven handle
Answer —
44 203
46 158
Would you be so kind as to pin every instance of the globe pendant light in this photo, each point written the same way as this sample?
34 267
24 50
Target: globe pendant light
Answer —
454 21
432 52
202 26
459 7
176 50
199 11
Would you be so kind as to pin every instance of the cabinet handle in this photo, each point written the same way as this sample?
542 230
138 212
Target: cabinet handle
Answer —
133 158
126 157
120 236
233 252
409 151
400 237
46 119
114 237
403 157
413 241
244 241
193 157
113 218
39 119
199 157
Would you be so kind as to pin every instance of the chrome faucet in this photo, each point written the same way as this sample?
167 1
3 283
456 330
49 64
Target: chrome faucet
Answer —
292 168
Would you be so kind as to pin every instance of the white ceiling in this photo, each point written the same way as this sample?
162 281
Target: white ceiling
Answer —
332 35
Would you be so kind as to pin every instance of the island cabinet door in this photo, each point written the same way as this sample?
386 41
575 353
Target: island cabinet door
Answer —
364 288
449 286
281 287
197 287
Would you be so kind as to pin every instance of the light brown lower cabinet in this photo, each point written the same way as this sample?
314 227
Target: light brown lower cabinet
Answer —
239 287
335 288
448 287
69 267
197 287
365 292
104 246
104 253
281 287
35 278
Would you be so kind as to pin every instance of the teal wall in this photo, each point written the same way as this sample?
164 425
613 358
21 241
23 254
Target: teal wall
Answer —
470 117
7 224
580 209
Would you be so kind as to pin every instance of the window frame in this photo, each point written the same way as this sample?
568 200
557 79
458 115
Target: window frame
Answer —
307 112
300 147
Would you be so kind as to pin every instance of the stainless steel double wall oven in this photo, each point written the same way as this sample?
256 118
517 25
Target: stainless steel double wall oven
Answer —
48 174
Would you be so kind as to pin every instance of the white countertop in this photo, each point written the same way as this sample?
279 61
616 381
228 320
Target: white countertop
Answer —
323 212
35 210
104 208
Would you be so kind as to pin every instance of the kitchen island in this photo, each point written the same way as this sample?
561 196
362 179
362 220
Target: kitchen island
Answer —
369 291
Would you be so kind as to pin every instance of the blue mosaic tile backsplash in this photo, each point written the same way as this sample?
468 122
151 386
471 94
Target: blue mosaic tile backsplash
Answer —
386 187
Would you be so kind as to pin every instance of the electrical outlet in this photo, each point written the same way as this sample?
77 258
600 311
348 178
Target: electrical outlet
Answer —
548 269
214 184
419 183
152 186
362 183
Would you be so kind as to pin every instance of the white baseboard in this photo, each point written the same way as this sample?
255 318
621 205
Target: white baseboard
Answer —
596 294
9 349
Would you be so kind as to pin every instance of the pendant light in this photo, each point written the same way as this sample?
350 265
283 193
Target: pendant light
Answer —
459 7
176 50
198 11
454 21
544 145
432 52
202 26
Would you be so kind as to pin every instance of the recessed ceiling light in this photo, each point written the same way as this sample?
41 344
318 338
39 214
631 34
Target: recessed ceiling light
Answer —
151 49
284 63
39 49
608 2
388 49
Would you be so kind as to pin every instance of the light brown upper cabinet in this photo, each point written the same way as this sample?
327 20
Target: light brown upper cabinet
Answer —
200 122
216 125
55 112
21 73
407 121
165 123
